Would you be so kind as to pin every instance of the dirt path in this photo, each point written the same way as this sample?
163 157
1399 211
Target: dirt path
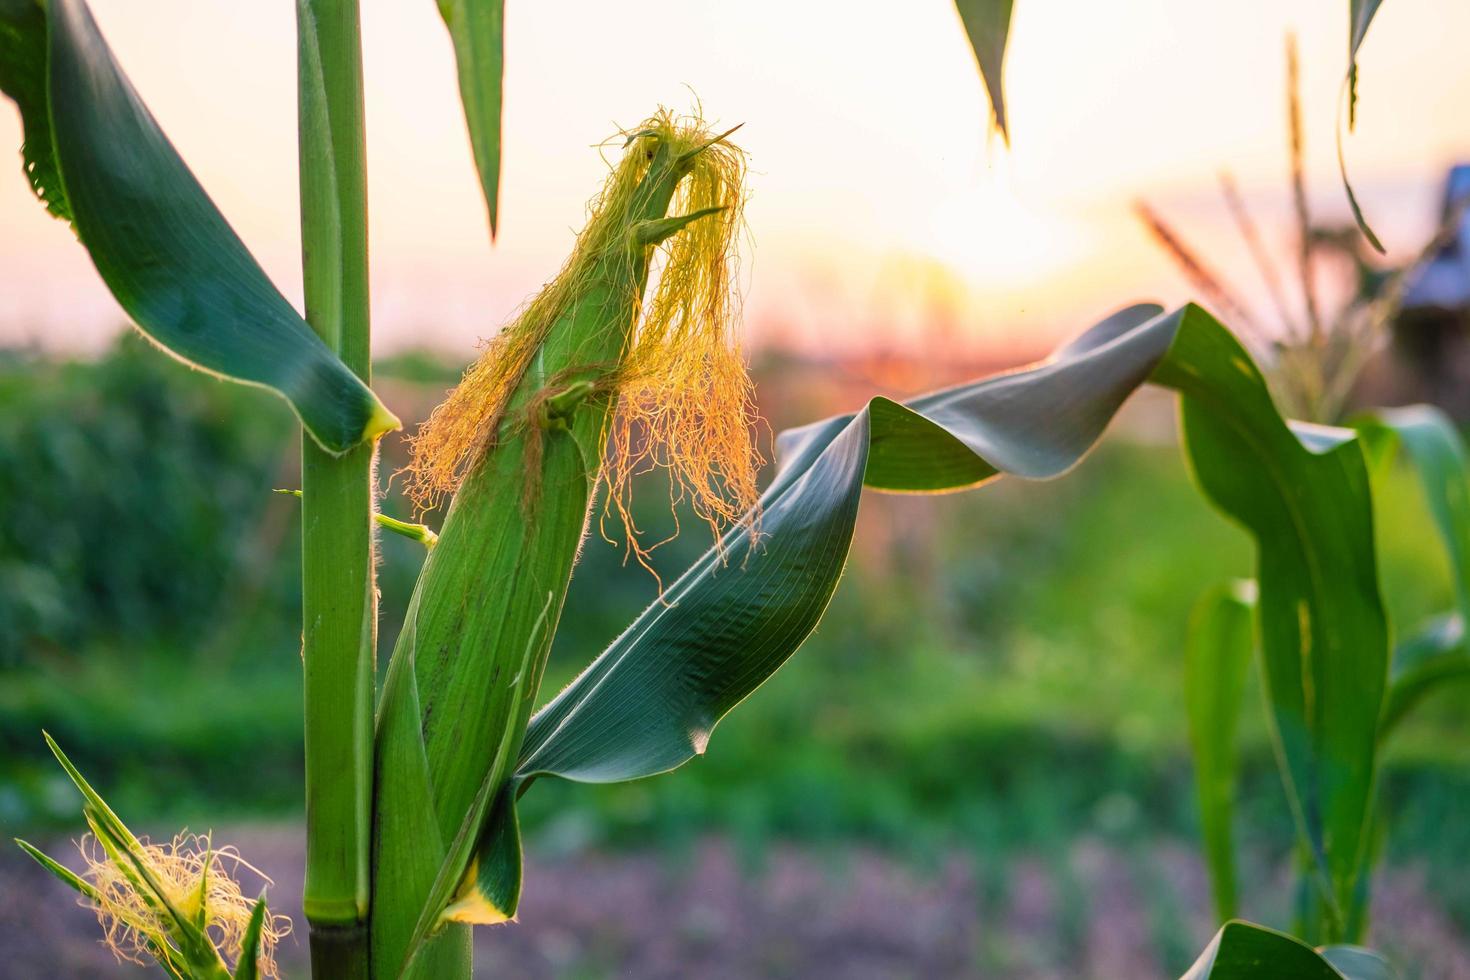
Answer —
841 913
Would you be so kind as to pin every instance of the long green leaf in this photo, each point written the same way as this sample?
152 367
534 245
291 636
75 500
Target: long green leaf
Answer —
477 28
651 700
1246 951
164 250
1360 15
988 25
1217 656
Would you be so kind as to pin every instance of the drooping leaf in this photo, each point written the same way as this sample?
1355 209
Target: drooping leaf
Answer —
988 25
1246 951
651 700
1360 15
477 28
1217 655
23 78
164 250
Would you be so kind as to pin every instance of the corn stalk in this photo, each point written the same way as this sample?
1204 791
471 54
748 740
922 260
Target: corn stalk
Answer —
338 594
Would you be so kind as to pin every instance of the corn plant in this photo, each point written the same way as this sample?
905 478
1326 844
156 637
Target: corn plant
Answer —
1222 646
627 359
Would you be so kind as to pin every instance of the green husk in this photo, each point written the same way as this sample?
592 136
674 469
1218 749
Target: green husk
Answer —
521 441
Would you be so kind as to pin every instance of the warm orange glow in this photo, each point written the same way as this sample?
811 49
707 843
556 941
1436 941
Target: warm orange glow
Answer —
867 141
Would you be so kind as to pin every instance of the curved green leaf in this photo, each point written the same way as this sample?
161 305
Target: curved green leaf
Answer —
1246 951
477 28
988 24
1437 652
651 700
1357 963
1438 456
1360 15
1434 655
164 250
1217 656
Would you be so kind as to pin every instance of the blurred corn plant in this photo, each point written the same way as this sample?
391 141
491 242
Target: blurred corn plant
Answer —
1313 348
1313 353
627 360
1225 640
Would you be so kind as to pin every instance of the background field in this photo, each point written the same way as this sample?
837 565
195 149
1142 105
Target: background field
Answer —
1026 636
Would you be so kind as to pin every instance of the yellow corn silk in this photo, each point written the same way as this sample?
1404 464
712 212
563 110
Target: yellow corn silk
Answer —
591 369
198 880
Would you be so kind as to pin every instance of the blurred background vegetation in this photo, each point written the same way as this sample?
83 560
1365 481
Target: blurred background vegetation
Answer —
1026 637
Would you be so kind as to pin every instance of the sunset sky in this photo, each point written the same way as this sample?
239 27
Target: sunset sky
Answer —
876 195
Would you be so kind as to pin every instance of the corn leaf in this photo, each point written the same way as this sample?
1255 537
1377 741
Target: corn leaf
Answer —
477 28
651 700
65 875
988 24
1434 449
1217 656
1435 655
1360 15
1245 951
164 250
248 967
1437 652
1357 963
23 78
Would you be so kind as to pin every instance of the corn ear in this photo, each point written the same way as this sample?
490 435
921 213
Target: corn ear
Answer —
520 443
172 902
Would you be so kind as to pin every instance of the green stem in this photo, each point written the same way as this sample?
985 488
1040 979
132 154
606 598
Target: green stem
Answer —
339 605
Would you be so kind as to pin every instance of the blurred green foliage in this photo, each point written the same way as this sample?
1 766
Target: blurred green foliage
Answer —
999 671
128 488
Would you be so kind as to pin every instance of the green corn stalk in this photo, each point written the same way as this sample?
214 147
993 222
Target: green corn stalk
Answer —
338 593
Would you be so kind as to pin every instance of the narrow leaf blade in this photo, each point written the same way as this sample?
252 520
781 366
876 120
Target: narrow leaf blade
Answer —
1217 656
988 25
477 28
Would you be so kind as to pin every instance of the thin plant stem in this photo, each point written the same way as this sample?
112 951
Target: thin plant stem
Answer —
1248 231
1199 275
339 604
1299 192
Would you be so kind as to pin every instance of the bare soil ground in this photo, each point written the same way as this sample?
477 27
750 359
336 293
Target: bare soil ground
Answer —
840 913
